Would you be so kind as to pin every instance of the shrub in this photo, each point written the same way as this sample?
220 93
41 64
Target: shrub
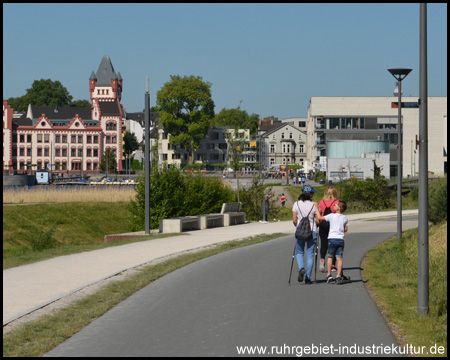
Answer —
173 194
437 201
367 194
41 238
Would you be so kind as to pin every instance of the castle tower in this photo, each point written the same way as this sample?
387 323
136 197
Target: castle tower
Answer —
105 89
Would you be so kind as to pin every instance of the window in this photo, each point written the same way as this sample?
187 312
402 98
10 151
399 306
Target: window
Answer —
46 138
282 135
73 151
39 151
29 138
39 138
64 139
22 151
57 152
80 152
300 149
89 152
46 151
95 151
57 138
89 139
272 149
290 135
22 138
95 139
64 151
73 139
80 139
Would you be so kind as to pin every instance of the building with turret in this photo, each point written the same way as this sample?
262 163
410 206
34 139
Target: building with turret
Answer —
67 139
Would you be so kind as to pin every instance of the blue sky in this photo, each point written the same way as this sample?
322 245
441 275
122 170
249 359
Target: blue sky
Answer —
273 57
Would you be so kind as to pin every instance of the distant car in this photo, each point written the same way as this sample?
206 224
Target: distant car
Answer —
322 181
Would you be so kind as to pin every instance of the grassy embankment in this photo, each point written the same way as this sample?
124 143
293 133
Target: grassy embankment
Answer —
391 277
44 222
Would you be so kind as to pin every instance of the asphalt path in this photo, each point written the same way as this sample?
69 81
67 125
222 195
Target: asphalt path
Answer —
240 298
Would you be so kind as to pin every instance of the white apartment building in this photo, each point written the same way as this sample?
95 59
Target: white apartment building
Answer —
375 119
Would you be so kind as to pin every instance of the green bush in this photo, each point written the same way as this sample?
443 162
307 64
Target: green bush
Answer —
368 194
437 201
41 238
174 194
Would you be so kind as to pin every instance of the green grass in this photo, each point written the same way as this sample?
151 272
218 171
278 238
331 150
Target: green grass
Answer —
391 269
37 337
71 227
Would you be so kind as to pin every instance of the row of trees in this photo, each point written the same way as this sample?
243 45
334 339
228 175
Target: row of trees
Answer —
45 92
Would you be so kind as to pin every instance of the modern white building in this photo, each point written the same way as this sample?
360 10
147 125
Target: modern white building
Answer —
370 119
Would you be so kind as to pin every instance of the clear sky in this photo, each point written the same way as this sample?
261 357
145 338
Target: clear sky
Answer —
272 57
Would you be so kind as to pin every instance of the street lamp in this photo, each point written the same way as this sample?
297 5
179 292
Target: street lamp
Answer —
399 75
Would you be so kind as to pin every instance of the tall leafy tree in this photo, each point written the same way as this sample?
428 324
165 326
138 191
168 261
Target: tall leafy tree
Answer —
130 144
236 119
44 92
186 109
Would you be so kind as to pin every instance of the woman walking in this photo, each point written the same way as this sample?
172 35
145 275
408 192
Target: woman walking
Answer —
305 207
326 206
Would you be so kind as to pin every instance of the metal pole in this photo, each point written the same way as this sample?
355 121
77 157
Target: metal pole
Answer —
423 281
147 158
399 163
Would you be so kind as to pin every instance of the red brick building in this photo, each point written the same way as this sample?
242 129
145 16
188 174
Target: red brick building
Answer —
67 139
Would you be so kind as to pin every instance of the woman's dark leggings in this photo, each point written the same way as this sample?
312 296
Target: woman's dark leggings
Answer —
324 244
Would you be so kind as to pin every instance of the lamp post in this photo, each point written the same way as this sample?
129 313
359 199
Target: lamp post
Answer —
423 265
147 157
399 75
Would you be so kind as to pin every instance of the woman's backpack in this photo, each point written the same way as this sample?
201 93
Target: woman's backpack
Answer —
325 225
303 230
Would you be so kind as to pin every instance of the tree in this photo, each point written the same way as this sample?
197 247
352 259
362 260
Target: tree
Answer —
186 109
236 119
81 103
130 144
44 92
109 162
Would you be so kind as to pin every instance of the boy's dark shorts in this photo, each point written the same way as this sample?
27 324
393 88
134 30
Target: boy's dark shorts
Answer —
335 248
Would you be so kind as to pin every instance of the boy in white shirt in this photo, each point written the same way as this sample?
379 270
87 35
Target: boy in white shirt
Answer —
338 230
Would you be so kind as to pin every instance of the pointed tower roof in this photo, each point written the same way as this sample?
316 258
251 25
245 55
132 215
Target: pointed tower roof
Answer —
105 72
93 77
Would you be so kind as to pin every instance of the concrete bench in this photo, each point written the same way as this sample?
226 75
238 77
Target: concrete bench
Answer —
211 220
232 214
179 224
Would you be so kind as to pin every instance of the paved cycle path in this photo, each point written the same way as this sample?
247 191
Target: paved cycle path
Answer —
220 305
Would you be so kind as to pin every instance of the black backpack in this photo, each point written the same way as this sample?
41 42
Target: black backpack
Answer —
325 225
303 230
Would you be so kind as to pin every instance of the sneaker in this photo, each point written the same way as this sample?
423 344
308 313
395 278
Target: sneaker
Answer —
322 265
301 274
308 281
329 278
333 268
